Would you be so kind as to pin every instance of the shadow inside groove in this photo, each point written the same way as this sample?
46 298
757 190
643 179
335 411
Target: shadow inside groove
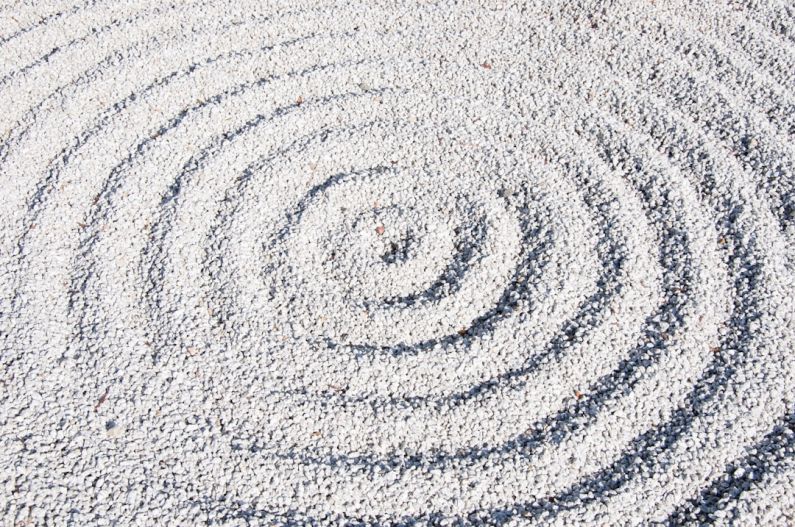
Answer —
774 448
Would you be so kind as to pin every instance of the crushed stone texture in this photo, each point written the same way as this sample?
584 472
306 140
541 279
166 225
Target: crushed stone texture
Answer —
397 263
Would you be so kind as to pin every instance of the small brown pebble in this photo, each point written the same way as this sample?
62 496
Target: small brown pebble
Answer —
299 101
379 230
486 65
578 394
102 399
463 332
714 349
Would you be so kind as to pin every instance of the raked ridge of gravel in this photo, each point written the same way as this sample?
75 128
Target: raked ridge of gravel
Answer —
397 263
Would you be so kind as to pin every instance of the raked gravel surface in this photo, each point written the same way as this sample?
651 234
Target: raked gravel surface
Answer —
397 263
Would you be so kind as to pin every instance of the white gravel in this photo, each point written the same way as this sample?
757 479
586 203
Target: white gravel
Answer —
397 263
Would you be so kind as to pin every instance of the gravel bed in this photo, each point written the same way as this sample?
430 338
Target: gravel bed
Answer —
394 263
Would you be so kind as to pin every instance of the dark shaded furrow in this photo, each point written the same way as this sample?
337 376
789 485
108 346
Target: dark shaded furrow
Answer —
739 477
46 20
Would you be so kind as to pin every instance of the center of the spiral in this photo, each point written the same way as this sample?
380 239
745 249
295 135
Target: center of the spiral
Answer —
397 234
393 258
398 251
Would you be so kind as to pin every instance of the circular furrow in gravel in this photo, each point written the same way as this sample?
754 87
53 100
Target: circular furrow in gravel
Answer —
748 136
39 17
714 59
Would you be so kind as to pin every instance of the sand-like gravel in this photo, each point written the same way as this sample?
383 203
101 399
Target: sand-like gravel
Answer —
397 263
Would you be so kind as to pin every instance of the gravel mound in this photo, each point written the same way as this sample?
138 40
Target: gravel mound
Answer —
397 263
